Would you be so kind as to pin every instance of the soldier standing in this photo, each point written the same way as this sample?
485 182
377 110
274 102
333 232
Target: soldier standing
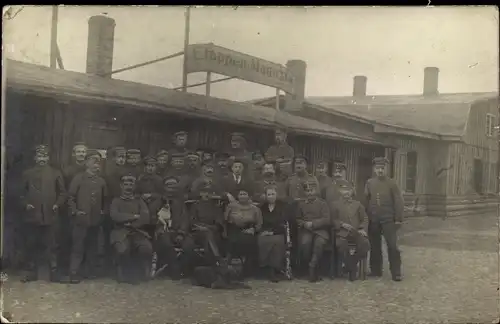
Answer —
79 153
150 185
385 208
87 200
193 169
280 149
162 167
326 184
222 166
129 213
313 220
180 143
238 150
257 165
178 170
134 162
299 178
44 194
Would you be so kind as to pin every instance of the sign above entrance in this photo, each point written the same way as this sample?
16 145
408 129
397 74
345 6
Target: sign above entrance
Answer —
220 60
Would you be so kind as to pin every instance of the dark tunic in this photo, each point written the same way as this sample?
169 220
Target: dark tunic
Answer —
113 179
122 213
88 193
317 212
348 212
207 213
71 171
184 180
276 151
230 185
43 188
384 200
151 184
272 247
295 185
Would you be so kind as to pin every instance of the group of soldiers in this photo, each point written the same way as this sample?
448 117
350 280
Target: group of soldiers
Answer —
171 206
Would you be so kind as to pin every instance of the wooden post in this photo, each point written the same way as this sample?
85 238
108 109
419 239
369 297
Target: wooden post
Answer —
186 44
277 99
207 86
53 38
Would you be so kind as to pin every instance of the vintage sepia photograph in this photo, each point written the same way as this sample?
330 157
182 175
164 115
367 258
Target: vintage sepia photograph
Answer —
240 164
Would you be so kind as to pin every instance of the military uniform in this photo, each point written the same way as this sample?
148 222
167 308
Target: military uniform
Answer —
177 229
78 165
88 195
208 178
327 188
222 166
193 167
134 165
178 148
257 165
43 195
163 163
241 153
279 150
150 186
295 185
312 240
179 172
351 212
385 207
129 214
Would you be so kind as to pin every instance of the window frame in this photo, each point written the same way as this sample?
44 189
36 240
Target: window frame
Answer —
412 180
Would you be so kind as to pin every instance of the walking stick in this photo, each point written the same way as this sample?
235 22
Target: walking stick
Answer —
288 265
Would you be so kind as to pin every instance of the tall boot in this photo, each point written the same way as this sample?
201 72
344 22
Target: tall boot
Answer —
313 274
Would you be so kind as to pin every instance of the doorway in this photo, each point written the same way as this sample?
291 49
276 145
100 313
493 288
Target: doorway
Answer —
365 172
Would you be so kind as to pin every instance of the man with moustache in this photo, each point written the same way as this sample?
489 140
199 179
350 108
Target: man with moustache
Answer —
299 178
178 170
280 148
134 162
206 179
385 207
129 214
44 194
237 180
222 166
150 185
239 152
327 187
163 163
193 167
88 196
79 153
180 140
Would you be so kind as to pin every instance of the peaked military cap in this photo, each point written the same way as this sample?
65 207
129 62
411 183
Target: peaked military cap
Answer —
77 144
192 154
42 149
150 160
117 150
339 165
344 184
380 161
161 153
170 179
257 153
238 134
300 158
180 133
93 154
133 151
128 176
178 155
322 163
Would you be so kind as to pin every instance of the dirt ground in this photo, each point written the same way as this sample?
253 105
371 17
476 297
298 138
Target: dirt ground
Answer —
450 267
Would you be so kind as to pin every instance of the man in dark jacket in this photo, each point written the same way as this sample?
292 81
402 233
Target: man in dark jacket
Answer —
178 170
150 185
350 222
385 207
88 197
44 194
129 214
180 140
163 163
280 149
134 158
236 180
313 220
175 232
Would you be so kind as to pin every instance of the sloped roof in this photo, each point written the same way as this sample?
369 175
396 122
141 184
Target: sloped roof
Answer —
442 115
44 80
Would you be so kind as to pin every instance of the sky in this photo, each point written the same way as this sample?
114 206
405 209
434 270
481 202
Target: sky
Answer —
391 46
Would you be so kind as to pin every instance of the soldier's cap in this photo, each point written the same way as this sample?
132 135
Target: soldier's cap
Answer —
162 153
283 160
129 177
150 160
208 164
171 179
238 136
222 156
42 149
344 184
300 158
200 149
77 144
339 165
257 153
133 151
119 149
322 163
207 151
380 161
180 133
177 156
192 155
93 154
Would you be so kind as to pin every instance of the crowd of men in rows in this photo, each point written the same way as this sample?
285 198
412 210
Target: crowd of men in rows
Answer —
171 206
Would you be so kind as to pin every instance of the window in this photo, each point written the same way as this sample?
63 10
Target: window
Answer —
478 176
490 124
411 171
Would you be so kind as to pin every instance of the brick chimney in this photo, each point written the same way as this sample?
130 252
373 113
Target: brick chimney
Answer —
359 88
100 45
431 78
293 102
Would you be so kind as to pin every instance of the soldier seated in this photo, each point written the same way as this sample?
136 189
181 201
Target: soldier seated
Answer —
175 232
313 220
206 222
129 214
350 221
